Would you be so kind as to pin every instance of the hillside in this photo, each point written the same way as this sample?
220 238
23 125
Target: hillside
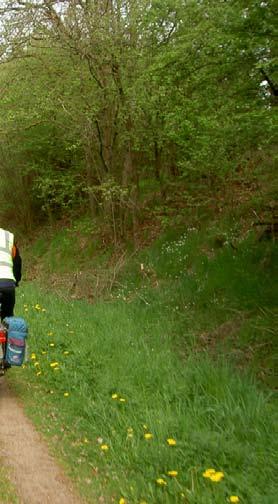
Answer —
153 365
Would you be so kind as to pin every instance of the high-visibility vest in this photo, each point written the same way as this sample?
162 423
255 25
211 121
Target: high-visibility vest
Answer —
6 255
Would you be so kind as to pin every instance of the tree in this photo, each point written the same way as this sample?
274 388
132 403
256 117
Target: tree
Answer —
125 91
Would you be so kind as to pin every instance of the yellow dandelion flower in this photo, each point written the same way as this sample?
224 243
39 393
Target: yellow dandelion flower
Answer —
56 369
51 391
104 447
33 356
44 352
50 333
54 364
171 442
148 435
52 344
217 476
66 394
208 473
36 363
130 432
86 440
37 307
26 309
161 481
66 352
172 473
122 501
38 373
43 310
234 498
122 399
114 396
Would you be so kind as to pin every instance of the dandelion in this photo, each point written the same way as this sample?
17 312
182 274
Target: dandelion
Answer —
85 440
54 364
33 356
50 333
52 344
37 307
104 447
217 476
122 399
208 473
171 442
148 435
66 394
234 498
44 352
122 501
51 391
38 373
66 352
114 396
36 364
161 482
43 310
172 473
26 309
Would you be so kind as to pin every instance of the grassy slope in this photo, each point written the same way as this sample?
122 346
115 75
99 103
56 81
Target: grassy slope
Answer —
186 341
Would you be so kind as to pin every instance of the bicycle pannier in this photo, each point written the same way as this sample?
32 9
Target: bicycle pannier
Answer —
16 340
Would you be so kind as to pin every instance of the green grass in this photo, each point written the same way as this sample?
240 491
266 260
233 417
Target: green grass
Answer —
8 492
182 341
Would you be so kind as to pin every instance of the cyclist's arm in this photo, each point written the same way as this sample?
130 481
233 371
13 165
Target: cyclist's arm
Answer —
17 263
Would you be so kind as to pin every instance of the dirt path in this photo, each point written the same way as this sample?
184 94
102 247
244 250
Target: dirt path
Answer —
33 471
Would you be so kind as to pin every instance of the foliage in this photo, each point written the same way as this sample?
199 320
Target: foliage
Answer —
130 92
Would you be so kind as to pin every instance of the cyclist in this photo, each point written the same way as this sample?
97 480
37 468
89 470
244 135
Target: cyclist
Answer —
10 272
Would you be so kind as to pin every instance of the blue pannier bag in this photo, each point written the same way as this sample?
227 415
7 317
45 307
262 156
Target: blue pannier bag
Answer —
16 340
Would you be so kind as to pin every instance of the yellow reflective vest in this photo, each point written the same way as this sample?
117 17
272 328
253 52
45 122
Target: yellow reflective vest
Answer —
6 255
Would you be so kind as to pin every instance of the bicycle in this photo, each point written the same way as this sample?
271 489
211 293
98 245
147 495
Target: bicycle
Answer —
3 343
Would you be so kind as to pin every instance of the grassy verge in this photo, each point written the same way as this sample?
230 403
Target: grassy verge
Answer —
141 395
7 495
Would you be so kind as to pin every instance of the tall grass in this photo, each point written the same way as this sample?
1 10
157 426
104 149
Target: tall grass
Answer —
110 383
